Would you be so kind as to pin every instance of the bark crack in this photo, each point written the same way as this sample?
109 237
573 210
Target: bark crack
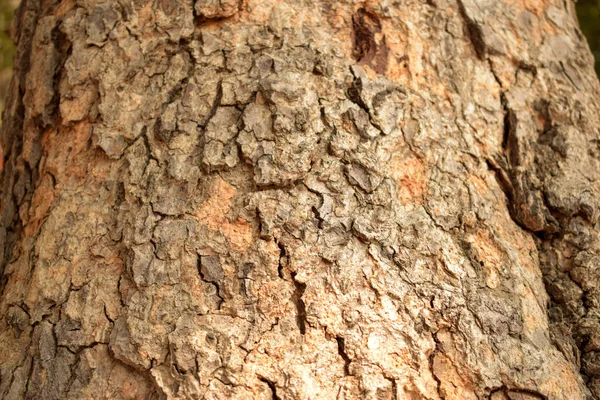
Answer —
432 368
341 346
282 258
299 302
211 281
64 47
271 386
474 31
517 392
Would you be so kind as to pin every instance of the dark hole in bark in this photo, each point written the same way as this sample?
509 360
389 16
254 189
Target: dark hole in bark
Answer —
365 25
366 50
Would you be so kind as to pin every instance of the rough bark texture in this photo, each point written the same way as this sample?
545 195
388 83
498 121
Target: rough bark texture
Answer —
290 199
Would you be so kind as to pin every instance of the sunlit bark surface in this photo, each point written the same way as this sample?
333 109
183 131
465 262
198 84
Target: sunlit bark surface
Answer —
293 199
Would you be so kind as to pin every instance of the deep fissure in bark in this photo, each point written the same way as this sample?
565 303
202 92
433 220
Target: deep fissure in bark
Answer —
342 351
272 387
474 32
299 302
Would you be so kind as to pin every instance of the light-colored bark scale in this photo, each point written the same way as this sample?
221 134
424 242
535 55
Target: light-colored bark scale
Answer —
300 200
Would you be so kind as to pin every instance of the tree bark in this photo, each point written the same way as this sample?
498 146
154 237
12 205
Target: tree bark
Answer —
249 199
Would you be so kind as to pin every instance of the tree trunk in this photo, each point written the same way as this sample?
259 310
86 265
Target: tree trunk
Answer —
290 199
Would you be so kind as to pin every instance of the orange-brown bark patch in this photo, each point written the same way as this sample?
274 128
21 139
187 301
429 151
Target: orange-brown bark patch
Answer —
40 204
453 385
409 174
239 234
213 213
68 155
455 381
489 256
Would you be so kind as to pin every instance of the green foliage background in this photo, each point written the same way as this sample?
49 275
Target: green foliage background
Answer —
588 12
7 48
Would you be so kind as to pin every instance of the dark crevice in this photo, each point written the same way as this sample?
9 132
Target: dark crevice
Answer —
353 93
510 142
282 259
215 105
172 96
319 221
525 201
341 345
431 367
210 281
506 132
500 85
271 386
121 194
64 47
502 178
107 316
324 117
177 368
517 391
120 292
149 155
394 387
474 31
300 305
284 185
176 92
514 200
523 66
161 134
77 349
562 65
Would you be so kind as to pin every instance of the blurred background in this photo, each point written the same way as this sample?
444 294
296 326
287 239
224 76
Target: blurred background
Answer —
7 48
588 12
